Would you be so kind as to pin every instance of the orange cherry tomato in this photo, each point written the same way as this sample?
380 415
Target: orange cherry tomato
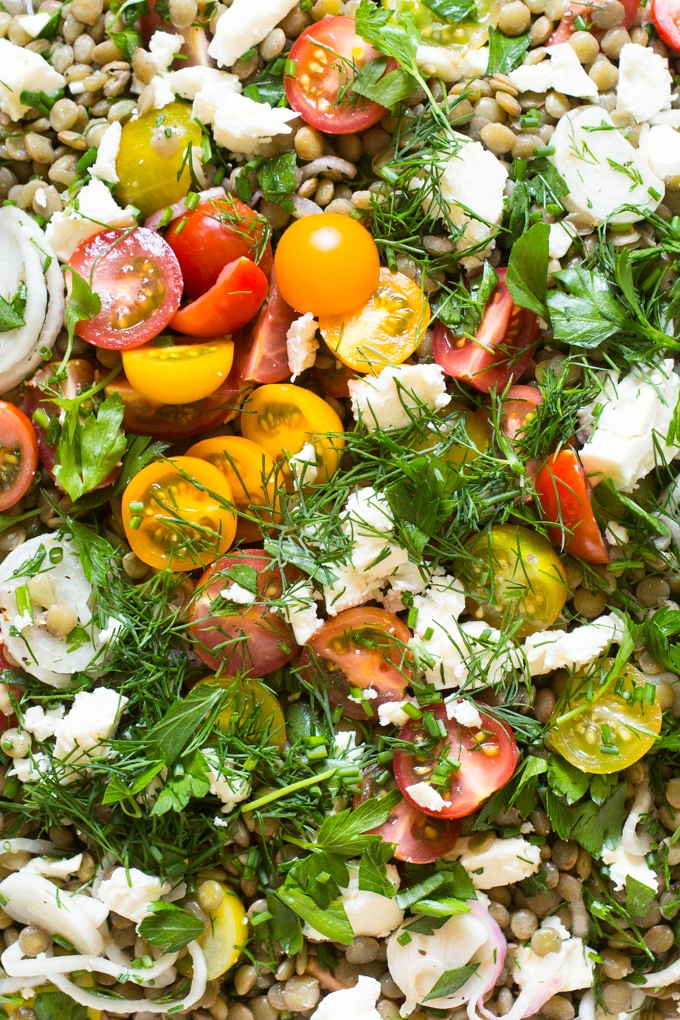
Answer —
326 264
251 474
232 302
147 417
180 373
176 514
564 494
18 454
519 407
385 331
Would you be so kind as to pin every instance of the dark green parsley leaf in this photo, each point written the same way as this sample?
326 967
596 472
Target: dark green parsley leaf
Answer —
174 731
12 311
391 33
94 551
57 1006
521 790
268 88
659 629
343 833
638 897
447 906
372 83
244 576
140 452
127 41
373 871
189 779
284 926
584 312
601 787
596 827
89 449
528 269
331 921
566 780
82 304
462 310
505 54
451 981
426 925
407 897
454 11
276 177
170 927
458 882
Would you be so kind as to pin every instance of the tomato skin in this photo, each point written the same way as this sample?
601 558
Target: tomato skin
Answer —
261 352
666 16
513 330
339 35
232 302
564 495
216 233
519 405
481 772
18 442
334 381
566 28
335 652
122 266
146 417
249 638
180 374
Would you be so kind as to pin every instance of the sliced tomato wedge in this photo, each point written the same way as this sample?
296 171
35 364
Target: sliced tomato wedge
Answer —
487 757
564 494
137 277
501 350
666 16
261 352
566 26
232 302
519 406
316 89
18 454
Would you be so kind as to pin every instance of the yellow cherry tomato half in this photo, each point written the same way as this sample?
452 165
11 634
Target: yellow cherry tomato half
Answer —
385 331
223 938
171 521
251 474
180 373
440 441
252 707
284 418
326 264
608 731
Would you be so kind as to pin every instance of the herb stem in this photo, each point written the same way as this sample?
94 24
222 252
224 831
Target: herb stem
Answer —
292 788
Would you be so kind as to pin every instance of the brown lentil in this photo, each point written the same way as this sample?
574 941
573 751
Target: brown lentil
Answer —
523 924
546 940
585 46
613 42
558 1008
659 938
514 18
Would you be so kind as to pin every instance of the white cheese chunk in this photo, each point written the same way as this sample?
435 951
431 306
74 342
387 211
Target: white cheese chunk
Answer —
393 398
303 465
571 967
644 85
601 168
301 344
560 70
427 797
187 82
505 862
52 867
370 914
129 893
623 865
226 782
464 712
162 91
42 723
163 47
90 722
357 1002
104 166
627 422
245 24
235 593
240 124
474 179
556 649
300 611
660 146
392 713
33 24
97 210
23 69
561 236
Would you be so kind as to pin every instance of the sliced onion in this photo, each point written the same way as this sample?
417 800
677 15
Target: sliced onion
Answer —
304 207
31 846
16 964
93 1001
492 958
10 986
153 222
630 841
329 165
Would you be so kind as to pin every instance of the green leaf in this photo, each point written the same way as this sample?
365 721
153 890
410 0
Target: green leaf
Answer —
597 827
390 33
57 1006
505 54
451 981
244 576
82 304
447 906
458 882
659 628
560 815
584 312
140 452
268 88
174 731
94 551
373 871
601 787
284 926
419 891
331 921
9 520
528 269
90 448
426 925
372 83
462 310
170 927
454 11
343 833
190 780
638 897
12 311
566 780
127 42
51 27
276 177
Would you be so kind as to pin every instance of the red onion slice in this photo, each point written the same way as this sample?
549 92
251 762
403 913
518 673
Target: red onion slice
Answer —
305 207
492 958
153 222
331 165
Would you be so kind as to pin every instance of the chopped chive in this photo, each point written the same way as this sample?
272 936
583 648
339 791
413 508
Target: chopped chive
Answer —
290 69
136 506
192 200
135 522
411 711
166 217
544 150
404 938
56 554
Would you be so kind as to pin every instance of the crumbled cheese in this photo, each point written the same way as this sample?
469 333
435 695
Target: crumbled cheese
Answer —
301 344
398 395
304 466
616 534
474 179
33 24
391 713
554 922
626 423
561 236
505 862
660 146
163 48
300 611
427 797
104 166
226 782
560 70
6 706
556 649
52 867
408 577
357 1002
129 893
96 209
240 124
42 723
112 628
623 865
345 745
189 81
29 770
367 512
367 694
23 69
91 721
21 622
644 85
235 593
571 967
245 24
162 92
464 712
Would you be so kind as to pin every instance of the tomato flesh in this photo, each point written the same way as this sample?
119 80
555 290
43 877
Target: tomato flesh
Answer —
139 282
146 417
18 454
216 233
232 302
314 91
487 757
179 373
501 350
666 16
519 407
566 27
564 495
261 352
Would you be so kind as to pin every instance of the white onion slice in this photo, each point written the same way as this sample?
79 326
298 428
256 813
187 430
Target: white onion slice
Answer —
16 964
32 846
630 841
10 986
153 222
32 899
305 207
330 165
92 1001
491 959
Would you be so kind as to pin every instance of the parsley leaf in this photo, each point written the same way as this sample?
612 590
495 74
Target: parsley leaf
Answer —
57 1006
89 449
600 826
505 53
528 269
521 790
451 981
331 921
12 311
170 927
82 304
172 733
407 897
391 33
371 82
373 871
284 926
127 42
189 779
584 312
566 780
454 11
659 628
638 896
343 833
460 309
276 177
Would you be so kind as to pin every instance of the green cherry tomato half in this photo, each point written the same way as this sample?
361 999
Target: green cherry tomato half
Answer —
441 441
153 150
516 575
609 731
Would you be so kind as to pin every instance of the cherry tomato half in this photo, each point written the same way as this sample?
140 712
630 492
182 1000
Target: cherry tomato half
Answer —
666 16
261 351
386 331
566 27
232 302
138 279
517 576
251 474
216 233
519 407
250 700
326 264
179 373
602 728
333 378
315 90
283 418
360 649
18 454
237 637
487 757
170 523
440 442
502 347
564 495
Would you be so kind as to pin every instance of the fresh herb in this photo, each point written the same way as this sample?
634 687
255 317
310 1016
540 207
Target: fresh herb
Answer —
89 448
276 177
171 734
460 309
528 269
659 629
372 83
127 42
187 779
638 897
451 981
454 11
12 311
583 311
41 101
83 304
373 869
505 53
57 1006
169 927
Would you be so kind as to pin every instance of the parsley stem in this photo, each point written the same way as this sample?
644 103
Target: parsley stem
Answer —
285 790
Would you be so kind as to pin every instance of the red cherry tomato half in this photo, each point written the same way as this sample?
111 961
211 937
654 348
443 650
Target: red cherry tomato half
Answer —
487 761
315 91
564 494
261 352
137 277
356 650
216 233
18 454
519 406
234 637
240 290
566 26
334 381
666 16
502 347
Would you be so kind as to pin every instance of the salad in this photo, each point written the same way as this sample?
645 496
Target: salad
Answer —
339 510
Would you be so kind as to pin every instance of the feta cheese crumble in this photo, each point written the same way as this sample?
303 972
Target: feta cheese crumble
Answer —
230 785
304 466
96 210
42 723
392 713
301 344
357 1002
370 914
104 166
560 70
187 82
505 862
464 712
240 124
660 147
644 85
24 70
163 47
300 611
245 24
558 649
130 893
90 722
399 394
427 797
623 865
235 593
474 181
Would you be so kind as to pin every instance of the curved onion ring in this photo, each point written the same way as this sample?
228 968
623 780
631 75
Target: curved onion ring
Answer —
630 841
153 222
304 207
492 962
16 964
330 165
32 846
